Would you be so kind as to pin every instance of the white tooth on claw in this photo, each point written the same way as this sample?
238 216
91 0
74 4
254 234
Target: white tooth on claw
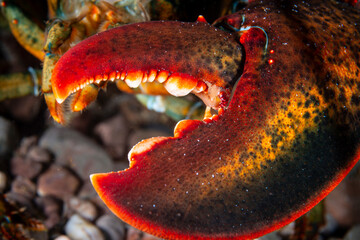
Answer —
162 76
133 79
118 74
123 76
151 75
112 76
179 86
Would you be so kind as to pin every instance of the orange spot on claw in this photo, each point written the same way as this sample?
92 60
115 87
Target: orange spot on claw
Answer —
272 51
271 61
15 21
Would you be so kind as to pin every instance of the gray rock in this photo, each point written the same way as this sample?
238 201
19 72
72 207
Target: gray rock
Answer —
147 236
59 182
39 154
78 228
353 234
113 134
76 151
22 201
343 202
24 187
112 226
25 167
52 209
84 208
8 137
141 134
3 181
270 236
25 108
25 145
62 237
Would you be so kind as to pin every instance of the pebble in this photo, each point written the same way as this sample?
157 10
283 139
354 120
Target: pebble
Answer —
84 208
3 181
22 201
52 209
8 137
59 182
24 187
25 167
113 134
270 236
39 154
78 228
112 227
62 237
343 202
141 134
26 108
76 151
26 144
135 234
353 234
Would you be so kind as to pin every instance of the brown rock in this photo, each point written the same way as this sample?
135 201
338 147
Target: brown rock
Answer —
84 208
112 226
25 167
133 233
76 151
22 201
39 154
141 134
25 108
59 182
343 203
3 181
8 137
26 144
24 187
52 208
113 134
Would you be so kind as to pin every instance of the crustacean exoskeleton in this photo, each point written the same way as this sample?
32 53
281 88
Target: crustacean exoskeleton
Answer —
284 79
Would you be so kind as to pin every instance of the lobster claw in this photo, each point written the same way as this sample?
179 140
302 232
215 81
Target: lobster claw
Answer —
272 152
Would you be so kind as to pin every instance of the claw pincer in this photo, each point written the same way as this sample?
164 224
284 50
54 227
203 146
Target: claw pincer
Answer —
286 134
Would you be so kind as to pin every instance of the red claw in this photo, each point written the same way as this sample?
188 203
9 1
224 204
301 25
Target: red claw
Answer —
283 139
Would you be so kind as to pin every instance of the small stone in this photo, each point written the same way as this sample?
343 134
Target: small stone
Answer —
87 191
141 134
343 202
24 187
26 144
26 108
39 154
133 233
78 228
353 234
84 208
112 226
8 137
21 201
76 151
52 208
25 167
270 236
113 134
62 237
3 181
147 236
59 182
